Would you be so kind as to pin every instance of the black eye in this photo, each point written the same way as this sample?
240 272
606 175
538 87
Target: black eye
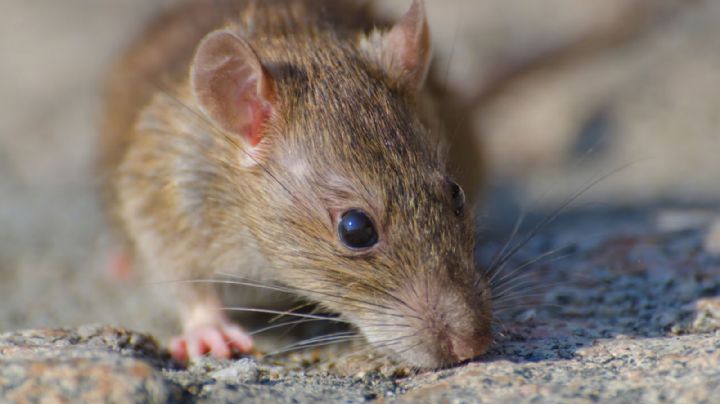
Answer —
457 198
356 230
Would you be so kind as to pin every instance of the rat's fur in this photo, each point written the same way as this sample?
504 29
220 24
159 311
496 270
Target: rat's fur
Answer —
347 130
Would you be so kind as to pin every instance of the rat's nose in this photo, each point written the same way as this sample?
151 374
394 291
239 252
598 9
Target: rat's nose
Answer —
465 348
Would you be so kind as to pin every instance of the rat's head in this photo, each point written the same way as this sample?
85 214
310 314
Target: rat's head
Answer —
350 195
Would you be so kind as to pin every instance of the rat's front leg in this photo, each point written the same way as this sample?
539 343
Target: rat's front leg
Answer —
206 329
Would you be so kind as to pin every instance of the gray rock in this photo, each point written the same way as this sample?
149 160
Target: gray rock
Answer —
90 364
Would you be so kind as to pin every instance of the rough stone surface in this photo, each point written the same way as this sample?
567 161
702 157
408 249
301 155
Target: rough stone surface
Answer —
88 364
677 369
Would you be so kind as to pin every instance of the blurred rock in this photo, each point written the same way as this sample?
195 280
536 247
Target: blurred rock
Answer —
89 364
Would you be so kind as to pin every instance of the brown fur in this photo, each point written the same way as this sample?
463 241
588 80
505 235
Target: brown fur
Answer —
344 133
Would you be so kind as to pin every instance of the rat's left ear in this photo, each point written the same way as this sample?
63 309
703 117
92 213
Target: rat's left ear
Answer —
404 51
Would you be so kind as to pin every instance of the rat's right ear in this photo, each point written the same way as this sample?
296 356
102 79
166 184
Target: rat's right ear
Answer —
231 86
404 51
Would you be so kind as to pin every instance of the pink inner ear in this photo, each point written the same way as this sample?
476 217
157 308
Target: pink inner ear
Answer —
253 108
260 112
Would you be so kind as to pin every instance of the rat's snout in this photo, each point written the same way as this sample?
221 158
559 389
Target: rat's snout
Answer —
443 325
464 347
460 326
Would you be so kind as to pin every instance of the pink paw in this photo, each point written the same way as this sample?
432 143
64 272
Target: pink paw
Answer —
119 266
215 339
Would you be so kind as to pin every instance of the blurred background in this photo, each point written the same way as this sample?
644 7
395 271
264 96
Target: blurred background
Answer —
562 92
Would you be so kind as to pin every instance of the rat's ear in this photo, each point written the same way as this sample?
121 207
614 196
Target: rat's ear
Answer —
404 51
231 86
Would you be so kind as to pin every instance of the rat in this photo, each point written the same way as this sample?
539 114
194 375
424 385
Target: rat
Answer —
295 142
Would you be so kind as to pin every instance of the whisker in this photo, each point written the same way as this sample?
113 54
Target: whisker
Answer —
287 323
240 283
293 289
397 299
294 309
321 338
313 345
369 325
514 306
526 280
357 349
511 287
509 275
508 306
506 311
501 251
399 353
286 313
368 347
529 287
557 212
223 282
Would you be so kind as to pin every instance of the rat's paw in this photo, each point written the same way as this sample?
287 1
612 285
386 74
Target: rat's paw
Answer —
119 266
216 339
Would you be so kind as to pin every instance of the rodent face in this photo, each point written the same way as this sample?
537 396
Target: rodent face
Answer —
414 291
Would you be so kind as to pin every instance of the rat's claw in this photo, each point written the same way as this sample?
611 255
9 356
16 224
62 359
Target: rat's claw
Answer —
216 339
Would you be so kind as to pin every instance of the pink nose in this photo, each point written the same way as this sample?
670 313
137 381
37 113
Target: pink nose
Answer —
468 348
